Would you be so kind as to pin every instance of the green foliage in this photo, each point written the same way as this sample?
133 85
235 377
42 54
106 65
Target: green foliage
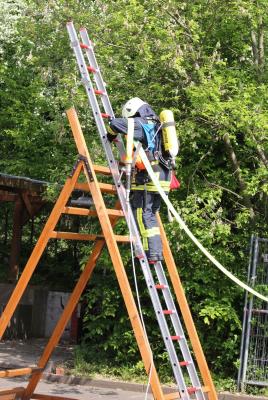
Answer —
198 58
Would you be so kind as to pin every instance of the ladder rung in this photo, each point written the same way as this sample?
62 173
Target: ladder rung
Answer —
176 337
101 169
193 389
107 188
160 286
9 373
168 312
184 363
96 91
85 236
91 69
91 213
104 115
84 46
104 187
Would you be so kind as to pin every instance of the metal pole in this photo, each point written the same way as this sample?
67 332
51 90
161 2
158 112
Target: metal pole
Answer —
249 312
242 347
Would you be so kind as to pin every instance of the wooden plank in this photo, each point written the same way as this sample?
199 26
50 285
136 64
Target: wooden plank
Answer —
38 251
172 396
50 397
13 269
28 205
86 236
100 169
186 314
9 373
68 310
6 196
10 396
104 187
16 390
91 213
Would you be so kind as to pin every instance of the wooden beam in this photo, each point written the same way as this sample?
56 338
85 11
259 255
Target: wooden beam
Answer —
90 213
50 397
10 396
100 169
9 373
85 236
16 390
6 196
13 272
28 205
104 187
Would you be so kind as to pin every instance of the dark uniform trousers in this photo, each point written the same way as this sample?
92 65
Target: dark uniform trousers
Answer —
145 203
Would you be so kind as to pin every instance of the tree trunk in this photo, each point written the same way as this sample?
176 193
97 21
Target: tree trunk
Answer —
257 44
237 173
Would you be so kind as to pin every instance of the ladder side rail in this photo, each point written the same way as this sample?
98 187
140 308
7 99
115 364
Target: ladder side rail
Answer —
186 313
245 320
82 148
97 75
86 79
91 94
249 310
179 331
167 337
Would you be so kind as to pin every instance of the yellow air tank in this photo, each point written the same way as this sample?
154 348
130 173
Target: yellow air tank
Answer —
170 139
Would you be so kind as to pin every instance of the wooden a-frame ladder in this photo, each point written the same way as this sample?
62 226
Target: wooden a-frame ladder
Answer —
107 219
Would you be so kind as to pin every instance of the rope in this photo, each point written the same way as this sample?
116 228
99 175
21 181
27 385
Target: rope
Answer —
190 234
138 300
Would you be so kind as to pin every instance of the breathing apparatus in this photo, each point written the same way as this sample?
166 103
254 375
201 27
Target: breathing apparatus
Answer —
169 135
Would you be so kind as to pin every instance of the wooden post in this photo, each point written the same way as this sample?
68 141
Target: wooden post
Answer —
13 272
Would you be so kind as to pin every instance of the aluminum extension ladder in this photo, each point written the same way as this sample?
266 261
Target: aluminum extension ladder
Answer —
170 339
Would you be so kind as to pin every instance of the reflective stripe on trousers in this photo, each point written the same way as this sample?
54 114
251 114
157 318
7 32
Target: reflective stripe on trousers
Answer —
144 206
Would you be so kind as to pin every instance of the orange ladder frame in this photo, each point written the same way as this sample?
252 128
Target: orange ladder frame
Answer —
107 219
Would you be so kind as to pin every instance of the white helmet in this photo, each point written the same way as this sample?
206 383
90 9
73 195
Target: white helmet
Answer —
131 107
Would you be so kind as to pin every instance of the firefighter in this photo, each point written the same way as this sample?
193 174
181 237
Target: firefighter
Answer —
144 198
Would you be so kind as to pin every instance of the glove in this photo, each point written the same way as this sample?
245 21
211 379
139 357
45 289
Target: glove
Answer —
111 136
